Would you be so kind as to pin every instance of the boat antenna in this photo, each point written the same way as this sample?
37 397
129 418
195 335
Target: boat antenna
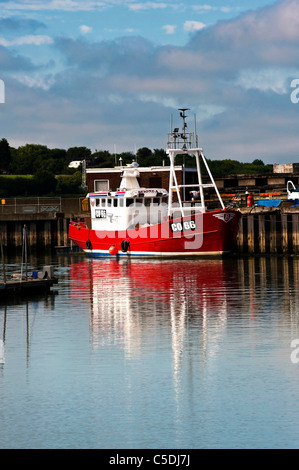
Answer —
183 116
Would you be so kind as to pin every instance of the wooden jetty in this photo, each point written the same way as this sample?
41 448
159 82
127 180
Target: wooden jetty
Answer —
23 286
21 283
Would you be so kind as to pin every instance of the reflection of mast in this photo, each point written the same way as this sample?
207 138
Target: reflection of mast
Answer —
2 340
27 332
178 326
112 311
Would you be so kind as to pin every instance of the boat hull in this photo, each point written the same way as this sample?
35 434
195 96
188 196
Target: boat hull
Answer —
212 233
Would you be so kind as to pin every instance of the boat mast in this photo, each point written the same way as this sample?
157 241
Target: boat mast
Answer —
183 142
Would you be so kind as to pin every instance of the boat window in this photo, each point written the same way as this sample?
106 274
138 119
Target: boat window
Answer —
138 201
103 202
157 200
121 203
147 201
108 202
97 202
129 202
115 202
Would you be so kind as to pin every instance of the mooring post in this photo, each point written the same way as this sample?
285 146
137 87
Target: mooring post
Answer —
284 233
262 235
295 234
273 234
250 230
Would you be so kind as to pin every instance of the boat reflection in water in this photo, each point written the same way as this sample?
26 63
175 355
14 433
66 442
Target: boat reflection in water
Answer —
137 306
184 354
130 303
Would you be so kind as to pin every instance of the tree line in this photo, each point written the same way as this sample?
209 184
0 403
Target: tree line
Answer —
35 169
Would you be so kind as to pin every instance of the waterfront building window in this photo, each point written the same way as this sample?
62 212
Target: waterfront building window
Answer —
101 185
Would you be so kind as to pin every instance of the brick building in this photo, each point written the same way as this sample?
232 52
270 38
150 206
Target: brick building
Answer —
108 179
105 179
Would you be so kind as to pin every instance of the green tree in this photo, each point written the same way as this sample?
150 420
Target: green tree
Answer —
158 156
5 156
78 154
257 161
60 158
127 158
144 156
44 182
28 158
102 159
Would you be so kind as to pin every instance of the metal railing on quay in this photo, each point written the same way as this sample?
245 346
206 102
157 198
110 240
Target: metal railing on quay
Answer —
35 205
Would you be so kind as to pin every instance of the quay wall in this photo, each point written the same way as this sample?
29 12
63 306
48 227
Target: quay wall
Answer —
270 232
46 219
261 231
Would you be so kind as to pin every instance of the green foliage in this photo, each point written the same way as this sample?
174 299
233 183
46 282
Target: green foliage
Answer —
17 186
101 159
27 158
69 184
233 167
147 157
5 155
44 182
42 164
78 153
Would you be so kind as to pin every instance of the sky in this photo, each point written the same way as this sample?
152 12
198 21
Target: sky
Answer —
111 74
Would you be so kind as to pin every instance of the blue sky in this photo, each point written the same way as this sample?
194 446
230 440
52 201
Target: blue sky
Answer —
109 74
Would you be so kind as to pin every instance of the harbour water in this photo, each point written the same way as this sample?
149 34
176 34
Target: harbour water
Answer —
181 354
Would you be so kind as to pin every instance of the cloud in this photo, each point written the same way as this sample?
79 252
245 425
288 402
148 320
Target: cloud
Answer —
275 80
85 29
235 75
193 26
37 80
14 24
12 62
170 28
25 40
147 6
54 5
77 5
205 8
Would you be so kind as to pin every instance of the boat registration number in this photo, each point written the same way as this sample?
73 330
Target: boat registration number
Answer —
183 226
100 213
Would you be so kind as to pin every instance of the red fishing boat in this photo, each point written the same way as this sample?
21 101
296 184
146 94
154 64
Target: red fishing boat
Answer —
154 222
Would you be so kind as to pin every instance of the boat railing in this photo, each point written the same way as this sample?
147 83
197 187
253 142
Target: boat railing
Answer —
194 185
181 141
